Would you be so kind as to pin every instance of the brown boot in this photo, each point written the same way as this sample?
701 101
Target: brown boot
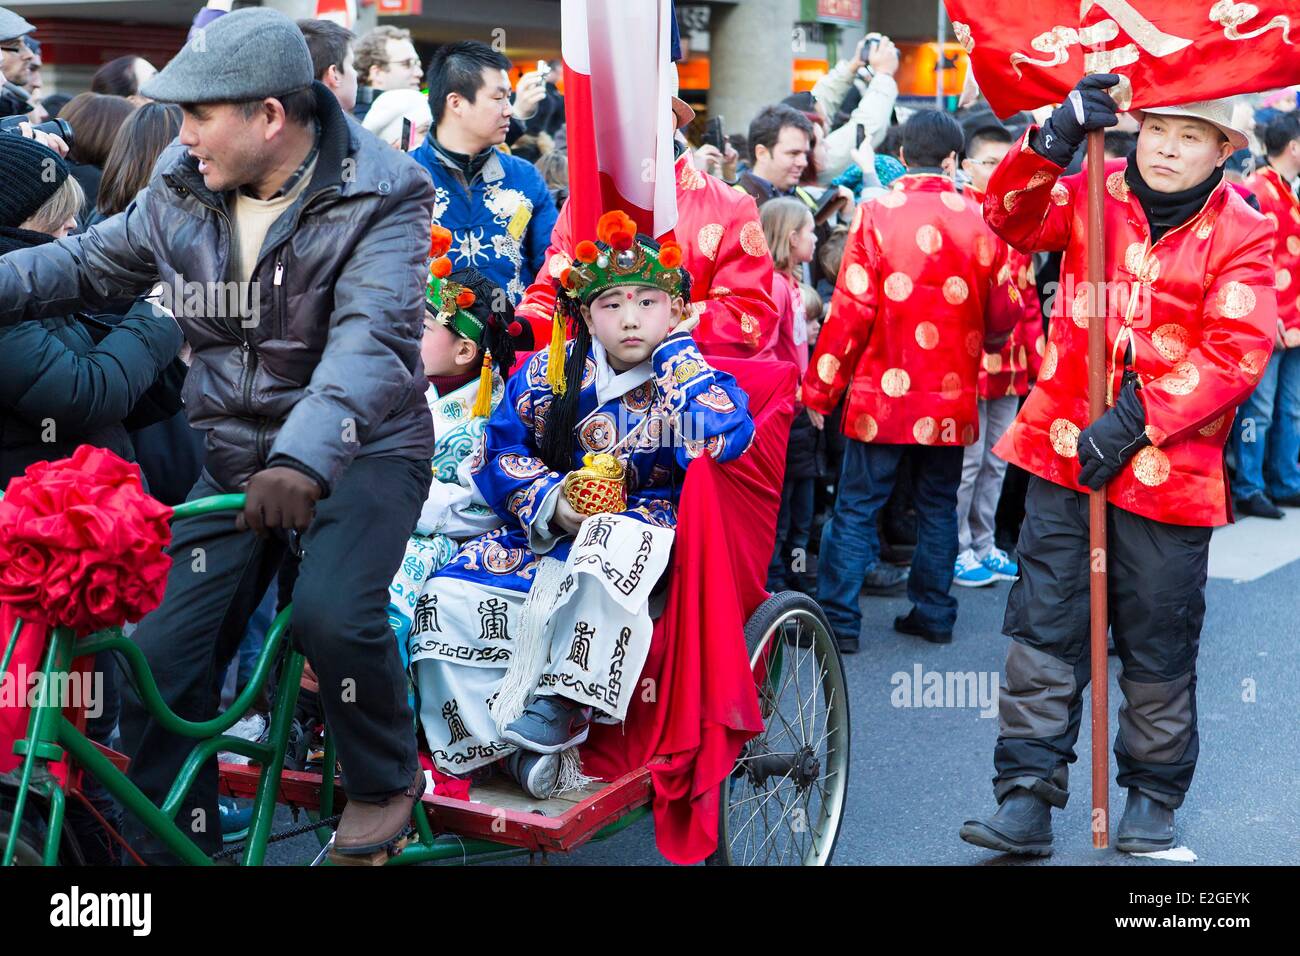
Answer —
371 832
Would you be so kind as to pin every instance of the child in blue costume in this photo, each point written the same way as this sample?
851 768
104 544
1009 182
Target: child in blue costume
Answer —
467 349
543 623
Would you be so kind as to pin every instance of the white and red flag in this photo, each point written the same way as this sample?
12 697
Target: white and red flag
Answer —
342 12
618 84
1167 51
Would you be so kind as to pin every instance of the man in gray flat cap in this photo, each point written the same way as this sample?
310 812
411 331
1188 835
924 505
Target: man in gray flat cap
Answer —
292 247
15 63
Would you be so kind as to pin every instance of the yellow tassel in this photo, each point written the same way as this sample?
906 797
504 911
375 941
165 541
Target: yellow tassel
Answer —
555 356
483 400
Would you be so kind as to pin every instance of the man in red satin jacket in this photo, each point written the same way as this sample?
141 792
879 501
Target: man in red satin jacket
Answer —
1191 316
916 299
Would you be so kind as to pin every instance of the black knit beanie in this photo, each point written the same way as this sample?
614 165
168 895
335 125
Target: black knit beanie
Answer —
29 175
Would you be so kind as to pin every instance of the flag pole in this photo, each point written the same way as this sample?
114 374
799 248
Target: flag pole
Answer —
1097 499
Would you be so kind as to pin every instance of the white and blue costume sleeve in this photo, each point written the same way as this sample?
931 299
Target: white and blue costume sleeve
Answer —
708 410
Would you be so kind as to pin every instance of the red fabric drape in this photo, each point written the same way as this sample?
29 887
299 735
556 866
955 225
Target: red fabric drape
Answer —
696 703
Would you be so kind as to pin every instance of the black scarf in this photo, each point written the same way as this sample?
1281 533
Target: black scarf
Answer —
12 238
1167 211
469 166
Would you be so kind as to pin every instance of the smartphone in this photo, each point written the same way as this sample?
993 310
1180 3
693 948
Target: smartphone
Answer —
868 48
713 134
828 197
544 68
861 136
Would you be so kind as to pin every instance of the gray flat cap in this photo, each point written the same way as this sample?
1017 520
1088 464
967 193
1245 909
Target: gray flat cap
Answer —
246 55
13 26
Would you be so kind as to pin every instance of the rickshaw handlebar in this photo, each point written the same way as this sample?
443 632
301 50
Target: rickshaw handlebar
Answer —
213 504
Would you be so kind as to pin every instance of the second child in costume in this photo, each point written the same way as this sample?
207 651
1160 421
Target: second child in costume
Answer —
539 626
467 351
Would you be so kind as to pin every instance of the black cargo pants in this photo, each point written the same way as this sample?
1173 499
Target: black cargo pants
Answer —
1157 575
340 622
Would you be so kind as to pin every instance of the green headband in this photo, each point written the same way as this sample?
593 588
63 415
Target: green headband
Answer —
440 296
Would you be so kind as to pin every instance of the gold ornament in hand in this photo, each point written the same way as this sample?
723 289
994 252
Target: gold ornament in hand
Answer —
598 487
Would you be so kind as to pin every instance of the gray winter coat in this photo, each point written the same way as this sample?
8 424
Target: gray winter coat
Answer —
331 367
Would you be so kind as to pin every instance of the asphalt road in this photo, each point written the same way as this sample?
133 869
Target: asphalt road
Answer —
917 773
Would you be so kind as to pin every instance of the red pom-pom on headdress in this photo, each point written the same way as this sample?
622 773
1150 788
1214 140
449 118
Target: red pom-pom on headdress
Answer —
566 278
670 255
439 240
441 268
586 251
465 298
612 226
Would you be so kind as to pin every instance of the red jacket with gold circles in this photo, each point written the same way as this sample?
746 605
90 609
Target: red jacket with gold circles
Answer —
1280 207
724 252
1013 368
907 323
1204 317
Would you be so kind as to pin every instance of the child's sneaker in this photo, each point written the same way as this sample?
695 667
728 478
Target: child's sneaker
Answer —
548 725
538 774
969 572
1000 565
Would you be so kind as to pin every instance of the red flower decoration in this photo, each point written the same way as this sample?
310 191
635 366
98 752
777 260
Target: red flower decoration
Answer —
441 268
465 298
622 240
670 255
586 251
439 240
81 543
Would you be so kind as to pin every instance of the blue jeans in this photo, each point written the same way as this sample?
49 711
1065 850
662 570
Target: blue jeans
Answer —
1266 434
850 547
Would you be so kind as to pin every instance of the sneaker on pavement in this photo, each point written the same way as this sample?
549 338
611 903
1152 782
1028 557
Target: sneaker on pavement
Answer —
969 572
1000 565
884 579
549 725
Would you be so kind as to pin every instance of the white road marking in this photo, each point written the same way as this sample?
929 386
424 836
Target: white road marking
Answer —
1254 547
1179 854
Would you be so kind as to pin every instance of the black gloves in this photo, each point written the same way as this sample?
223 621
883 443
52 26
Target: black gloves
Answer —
1110 441
1087 107
278 497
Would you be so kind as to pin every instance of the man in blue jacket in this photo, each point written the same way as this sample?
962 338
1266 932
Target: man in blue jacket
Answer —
497 206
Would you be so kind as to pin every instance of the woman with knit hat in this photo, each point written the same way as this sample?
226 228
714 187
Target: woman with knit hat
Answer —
69 380
74 380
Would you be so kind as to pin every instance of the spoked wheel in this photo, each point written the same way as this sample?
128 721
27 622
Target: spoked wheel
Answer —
783 803
30 848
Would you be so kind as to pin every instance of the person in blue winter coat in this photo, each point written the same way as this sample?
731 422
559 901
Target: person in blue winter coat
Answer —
497 206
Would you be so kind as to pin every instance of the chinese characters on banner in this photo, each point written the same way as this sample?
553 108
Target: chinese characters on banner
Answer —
1026 56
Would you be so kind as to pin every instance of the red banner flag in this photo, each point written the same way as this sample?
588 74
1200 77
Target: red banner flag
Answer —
617 90
1168 51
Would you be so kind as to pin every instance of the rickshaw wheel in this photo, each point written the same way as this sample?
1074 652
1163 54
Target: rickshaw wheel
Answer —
31 835
783 803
